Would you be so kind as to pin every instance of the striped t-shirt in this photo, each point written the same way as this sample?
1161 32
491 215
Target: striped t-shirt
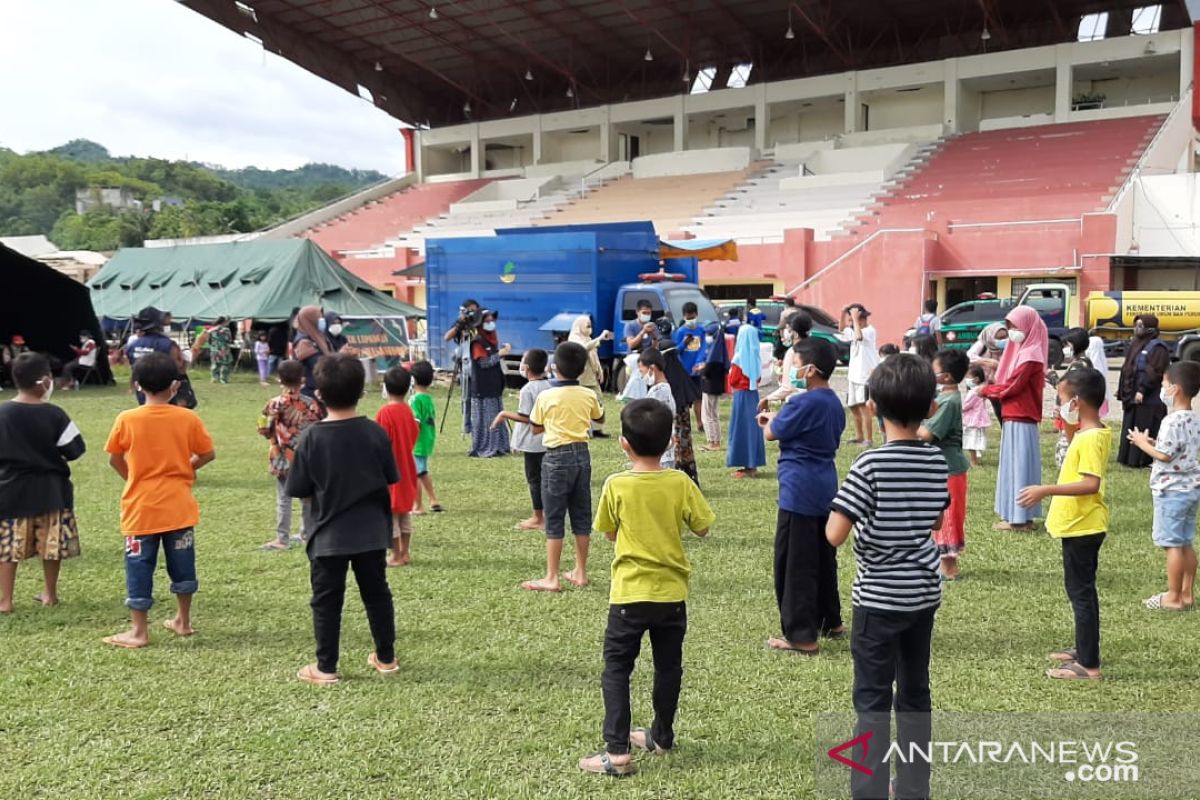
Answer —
894 496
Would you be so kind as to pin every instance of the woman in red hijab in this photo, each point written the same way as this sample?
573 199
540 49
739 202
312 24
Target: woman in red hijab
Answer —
1019 386
487 390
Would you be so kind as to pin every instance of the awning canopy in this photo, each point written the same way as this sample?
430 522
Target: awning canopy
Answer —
702 249
561 322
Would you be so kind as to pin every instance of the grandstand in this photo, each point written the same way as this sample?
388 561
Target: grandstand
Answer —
857 157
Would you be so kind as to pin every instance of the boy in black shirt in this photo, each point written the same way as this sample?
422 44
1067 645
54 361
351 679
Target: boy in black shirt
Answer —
345 464
36 497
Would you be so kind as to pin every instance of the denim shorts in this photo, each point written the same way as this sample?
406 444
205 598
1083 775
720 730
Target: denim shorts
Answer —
422 465
141 559
1175 518
567 490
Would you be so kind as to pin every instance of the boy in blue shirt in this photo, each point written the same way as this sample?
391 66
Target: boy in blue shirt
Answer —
692 345
808 429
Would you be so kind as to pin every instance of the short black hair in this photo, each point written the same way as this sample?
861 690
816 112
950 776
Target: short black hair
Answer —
888 349
1088 385
1185 375
647 425
926 346
340 379
789 301
397 380
801 323
955 362
903 388
569 360
644 304
28 370
1078 339
931 306
819 353
652 357
690 308
291 373
536 360
155 372
470 302
422 373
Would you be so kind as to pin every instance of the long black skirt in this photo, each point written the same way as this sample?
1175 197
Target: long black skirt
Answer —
1146 416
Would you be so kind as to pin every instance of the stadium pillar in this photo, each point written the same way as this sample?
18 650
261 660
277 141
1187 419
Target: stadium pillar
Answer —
951 97
853 116
476 152
537 139
681 125
1062 83
762 118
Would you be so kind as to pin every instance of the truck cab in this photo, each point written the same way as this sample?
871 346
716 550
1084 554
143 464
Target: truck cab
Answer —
1054 304
666 296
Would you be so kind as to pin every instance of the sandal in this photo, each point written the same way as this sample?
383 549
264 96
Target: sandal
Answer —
601 764
1067 654
1155 603
436 508
648 744
308 674
380 667
1071 671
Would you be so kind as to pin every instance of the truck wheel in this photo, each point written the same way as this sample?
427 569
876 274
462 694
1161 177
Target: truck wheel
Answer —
1056 355
1191 352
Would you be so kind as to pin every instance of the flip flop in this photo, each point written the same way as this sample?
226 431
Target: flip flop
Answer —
1067 654
274 547
308 674
779 645
115 641
41 601
373 660
437 509
1155 603
1071 671
534 586
605 766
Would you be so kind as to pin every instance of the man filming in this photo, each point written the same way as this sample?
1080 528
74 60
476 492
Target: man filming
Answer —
464 330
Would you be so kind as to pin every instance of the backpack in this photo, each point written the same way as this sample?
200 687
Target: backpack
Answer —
925 324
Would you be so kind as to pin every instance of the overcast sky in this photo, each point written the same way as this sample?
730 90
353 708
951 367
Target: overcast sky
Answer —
152 78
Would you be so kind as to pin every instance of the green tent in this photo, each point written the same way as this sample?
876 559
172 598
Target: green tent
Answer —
260 280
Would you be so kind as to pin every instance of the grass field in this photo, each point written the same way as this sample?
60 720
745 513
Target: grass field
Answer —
499 689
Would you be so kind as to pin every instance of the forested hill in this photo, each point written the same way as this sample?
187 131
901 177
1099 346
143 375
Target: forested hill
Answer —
37 195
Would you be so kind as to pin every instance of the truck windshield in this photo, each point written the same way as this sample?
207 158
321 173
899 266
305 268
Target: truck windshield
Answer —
677 297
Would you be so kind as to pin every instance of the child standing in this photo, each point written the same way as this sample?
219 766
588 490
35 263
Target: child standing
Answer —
262 354
564 414
977 417
652 369
945 430
1079 517
283 420
894 497
421 403
808 429
643 512
37 499
524 440
345 464
402 429
157 449
747 452
1175 485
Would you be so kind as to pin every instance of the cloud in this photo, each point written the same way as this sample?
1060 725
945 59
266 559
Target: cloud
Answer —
153 78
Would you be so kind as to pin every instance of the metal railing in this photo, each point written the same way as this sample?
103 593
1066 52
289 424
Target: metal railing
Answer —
1136 172
856 248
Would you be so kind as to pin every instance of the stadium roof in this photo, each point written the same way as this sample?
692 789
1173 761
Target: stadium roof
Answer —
441 62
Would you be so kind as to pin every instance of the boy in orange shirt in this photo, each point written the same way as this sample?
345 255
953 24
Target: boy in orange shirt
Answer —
157 449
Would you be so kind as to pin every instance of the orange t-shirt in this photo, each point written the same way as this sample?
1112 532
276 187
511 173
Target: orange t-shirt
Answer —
158 443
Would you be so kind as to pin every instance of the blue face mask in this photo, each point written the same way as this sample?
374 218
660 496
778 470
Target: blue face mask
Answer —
1002 343
321 324
796 380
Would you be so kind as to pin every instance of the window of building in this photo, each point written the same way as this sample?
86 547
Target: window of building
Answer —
1146 19
1093 26
740 76
703 80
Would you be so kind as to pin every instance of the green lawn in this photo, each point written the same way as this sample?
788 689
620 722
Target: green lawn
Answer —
499 689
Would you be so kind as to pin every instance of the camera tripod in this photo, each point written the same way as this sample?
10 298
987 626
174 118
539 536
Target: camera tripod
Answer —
457 375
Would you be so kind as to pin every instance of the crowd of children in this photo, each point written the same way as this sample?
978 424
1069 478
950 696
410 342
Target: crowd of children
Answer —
361 482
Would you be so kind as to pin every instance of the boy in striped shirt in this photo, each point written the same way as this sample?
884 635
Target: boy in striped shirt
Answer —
893 498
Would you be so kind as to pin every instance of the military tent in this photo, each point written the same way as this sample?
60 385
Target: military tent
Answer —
48 308
260 280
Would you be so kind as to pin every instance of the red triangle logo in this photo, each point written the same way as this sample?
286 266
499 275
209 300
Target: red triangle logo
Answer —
862 739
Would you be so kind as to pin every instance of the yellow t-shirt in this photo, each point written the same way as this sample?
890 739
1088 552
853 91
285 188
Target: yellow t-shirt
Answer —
566 412
649 511
1086 514
158 443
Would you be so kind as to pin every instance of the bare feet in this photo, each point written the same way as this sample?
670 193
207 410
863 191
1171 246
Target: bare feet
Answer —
129 640
778 643
42 599
401 561
309 673
542 585
575 580
178 628
530 524
275 544
7 608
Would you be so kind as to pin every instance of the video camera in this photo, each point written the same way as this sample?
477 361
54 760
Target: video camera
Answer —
469 317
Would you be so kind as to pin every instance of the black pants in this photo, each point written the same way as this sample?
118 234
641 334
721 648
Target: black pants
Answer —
805 578
667 625
1081 557
892 647
533 476
328 575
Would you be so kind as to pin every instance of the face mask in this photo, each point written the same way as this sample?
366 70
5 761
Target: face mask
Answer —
1069 411
798 381
49 390
489 326
1139 329
383 393
643 318
911 351
1001 343
649 378
1164 394
321 325
1016 336
336 329
971 383
1068 352
691 323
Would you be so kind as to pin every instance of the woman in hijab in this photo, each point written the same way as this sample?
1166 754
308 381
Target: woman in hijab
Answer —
1019 386
1141 379
593 373
747 450
685 393
487 391
800 326
987 351
310 343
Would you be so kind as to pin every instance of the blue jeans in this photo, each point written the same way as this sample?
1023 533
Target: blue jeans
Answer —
567 490
141 558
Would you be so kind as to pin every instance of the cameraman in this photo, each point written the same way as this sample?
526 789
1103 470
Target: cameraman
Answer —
463 331
465 327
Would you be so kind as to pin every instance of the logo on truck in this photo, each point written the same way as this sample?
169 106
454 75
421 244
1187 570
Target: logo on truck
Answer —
509 273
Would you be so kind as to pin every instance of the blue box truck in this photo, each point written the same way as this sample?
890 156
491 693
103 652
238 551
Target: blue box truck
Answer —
541 279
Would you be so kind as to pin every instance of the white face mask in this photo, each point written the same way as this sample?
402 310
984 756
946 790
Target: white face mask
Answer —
649 378
1164 394
1016 337
1069 411
383 392
1068 352
335 329
489 326
644 317
971 383
49 387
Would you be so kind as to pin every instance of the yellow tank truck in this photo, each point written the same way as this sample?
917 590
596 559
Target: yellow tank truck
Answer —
1110 316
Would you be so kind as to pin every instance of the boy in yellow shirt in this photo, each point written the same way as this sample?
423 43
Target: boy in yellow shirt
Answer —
643 511
1079 517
